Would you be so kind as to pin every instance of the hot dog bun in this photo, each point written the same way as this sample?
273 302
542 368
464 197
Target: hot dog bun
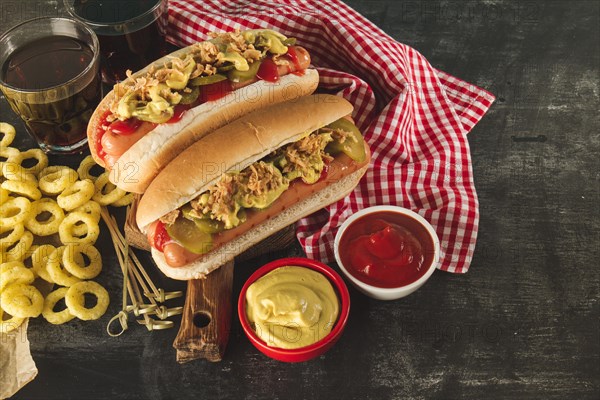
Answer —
235 146
136 168
213 260
232 148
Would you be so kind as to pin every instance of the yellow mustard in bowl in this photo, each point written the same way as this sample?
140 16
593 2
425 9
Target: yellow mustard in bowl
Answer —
292 307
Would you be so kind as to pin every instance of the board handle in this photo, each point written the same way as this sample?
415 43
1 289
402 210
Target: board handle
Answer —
206 320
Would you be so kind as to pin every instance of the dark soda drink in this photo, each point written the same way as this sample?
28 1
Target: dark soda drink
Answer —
131 32
42 83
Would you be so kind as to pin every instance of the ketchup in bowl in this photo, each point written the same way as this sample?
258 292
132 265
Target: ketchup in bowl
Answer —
385 248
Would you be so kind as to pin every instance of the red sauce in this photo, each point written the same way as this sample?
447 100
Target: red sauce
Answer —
100 133
161 237
268 71
324 172
178 112
214 91
126 127
295 60
386 249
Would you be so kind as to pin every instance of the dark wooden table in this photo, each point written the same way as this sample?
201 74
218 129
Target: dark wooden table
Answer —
522 323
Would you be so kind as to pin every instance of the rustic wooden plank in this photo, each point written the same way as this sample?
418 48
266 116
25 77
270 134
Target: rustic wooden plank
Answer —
206 321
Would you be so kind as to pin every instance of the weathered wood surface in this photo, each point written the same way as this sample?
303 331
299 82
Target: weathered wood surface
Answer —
206 320
522 323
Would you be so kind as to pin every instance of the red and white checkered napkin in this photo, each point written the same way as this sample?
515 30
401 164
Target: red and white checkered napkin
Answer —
414 117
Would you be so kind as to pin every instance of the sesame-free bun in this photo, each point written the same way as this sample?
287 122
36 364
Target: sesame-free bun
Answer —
136 168
236 146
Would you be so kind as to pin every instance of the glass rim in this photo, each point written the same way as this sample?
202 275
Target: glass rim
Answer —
95 52
70 9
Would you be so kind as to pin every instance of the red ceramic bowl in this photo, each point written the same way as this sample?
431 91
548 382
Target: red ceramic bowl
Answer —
315 349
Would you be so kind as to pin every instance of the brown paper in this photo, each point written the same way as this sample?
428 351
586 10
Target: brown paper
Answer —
17 367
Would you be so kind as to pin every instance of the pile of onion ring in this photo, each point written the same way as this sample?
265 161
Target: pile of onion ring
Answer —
40 206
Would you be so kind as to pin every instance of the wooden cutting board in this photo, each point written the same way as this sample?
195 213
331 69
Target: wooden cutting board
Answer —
206 320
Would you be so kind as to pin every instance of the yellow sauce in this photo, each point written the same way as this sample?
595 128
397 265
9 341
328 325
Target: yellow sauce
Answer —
292 307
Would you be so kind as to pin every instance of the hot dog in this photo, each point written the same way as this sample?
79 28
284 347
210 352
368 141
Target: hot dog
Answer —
248 180
146 120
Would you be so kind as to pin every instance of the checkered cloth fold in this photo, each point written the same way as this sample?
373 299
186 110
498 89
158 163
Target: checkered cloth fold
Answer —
414 117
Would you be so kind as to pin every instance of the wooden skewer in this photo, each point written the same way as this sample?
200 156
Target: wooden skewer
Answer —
138 287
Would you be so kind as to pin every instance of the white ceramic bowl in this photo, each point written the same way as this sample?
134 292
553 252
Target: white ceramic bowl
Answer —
394 292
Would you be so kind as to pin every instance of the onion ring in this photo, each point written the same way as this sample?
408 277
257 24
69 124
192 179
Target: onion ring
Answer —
13 171
66 228
55 179
10 324
7 211
92 208
76 301
107 192
23 188
49 226
76 195
59 275
4 195
123 201
39 261
13 272
84 169
16 231
19 250
9 134
11 155
60 317
74 262
28 261
22 301
39 156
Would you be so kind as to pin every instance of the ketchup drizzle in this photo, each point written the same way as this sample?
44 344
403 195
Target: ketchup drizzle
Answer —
100 131
126 127
324 172
268 71
294 57
214 91
178 112
161 237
